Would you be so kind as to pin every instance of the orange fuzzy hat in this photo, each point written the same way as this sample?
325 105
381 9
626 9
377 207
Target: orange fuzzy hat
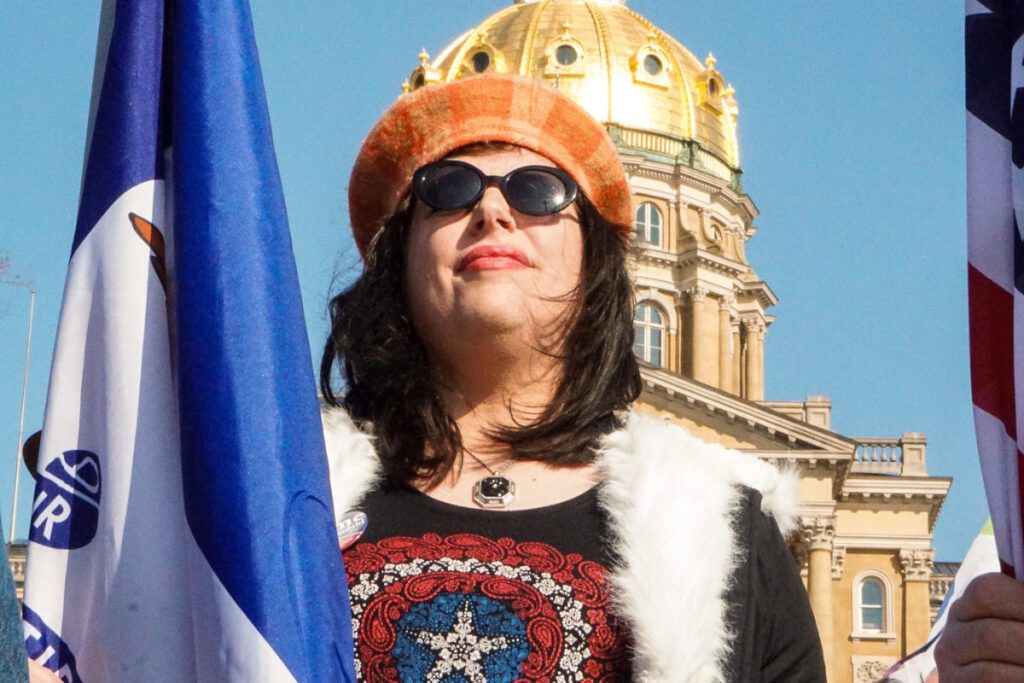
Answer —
433 121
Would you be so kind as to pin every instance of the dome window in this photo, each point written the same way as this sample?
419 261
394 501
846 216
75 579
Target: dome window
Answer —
478 57
481 60
652 65
711 88
424 74
566 55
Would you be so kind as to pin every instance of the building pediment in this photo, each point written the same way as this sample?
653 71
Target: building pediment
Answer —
723 417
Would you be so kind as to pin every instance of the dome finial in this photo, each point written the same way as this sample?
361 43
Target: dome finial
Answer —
424 56
710 61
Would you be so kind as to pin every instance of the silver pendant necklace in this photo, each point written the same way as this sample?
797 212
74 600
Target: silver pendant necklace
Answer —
495 491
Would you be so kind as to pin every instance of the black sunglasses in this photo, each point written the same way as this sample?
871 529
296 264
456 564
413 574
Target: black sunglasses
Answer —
447 185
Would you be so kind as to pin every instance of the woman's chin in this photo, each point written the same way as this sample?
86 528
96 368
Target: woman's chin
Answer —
498 319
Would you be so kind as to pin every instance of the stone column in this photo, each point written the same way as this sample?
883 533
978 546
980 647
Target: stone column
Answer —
917 573
818 534
737 355
705 336
725 347
671 353
684 343
675 225
753 330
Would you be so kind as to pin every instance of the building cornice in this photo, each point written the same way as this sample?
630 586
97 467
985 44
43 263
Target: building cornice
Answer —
884 541
654 255
761 291
670 171
738 202
893 490
888 486
816 459
705 259
647 168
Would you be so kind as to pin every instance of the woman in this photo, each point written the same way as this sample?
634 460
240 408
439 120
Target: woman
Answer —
522 523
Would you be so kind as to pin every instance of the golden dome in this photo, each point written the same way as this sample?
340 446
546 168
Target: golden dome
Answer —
654 96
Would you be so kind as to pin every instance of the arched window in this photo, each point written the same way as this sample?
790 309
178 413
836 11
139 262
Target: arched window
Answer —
649 335
872 606
648 223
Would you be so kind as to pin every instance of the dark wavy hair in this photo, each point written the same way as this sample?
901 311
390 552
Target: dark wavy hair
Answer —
392 390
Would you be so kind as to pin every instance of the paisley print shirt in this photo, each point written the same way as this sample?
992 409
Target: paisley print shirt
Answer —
450 594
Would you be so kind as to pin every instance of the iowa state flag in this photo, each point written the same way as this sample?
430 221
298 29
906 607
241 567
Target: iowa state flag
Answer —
182 526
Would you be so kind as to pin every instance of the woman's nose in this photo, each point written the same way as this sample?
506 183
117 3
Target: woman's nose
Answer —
493 211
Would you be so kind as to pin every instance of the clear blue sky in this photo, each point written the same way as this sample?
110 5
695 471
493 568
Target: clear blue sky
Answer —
852 138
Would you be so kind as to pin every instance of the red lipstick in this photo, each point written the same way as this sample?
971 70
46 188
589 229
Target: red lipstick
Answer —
492 257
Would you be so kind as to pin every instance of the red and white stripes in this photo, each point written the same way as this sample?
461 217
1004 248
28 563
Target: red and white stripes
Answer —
994 247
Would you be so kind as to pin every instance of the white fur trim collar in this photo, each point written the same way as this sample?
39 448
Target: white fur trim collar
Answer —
670 500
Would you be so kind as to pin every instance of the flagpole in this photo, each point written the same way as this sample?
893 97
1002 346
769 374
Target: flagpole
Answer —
24 396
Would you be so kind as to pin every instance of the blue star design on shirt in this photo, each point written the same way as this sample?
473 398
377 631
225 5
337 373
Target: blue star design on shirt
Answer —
460 638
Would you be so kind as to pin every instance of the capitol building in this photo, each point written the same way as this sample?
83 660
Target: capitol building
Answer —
868 505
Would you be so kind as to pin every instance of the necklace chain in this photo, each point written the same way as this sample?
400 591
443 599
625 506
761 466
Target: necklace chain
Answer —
496 473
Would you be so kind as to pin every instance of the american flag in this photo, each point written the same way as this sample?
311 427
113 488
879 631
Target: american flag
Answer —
995 216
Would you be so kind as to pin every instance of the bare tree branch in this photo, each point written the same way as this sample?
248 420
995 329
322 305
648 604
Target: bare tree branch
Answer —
8 278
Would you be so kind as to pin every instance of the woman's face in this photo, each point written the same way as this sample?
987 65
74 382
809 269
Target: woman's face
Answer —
490 270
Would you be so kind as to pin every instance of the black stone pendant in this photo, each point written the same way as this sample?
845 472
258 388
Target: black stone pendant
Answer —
494 492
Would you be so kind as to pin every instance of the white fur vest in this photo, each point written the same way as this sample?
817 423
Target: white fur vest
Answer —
658 482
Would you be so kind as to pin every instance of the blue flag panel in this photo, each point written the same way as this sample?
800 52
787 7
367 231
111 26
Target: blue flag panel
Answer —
255 472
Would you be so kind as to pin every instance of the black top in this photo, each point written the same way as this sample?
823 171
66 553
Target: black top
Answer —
442 592
445 592
777 639
576 525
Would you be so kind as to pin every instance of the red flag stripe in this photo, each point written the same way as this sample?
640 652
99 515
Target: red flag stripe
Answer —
1007 569
991 329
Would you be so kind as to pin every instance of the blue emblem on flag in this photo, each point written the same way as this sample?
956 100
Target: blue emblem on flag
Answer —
47 649
66 510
